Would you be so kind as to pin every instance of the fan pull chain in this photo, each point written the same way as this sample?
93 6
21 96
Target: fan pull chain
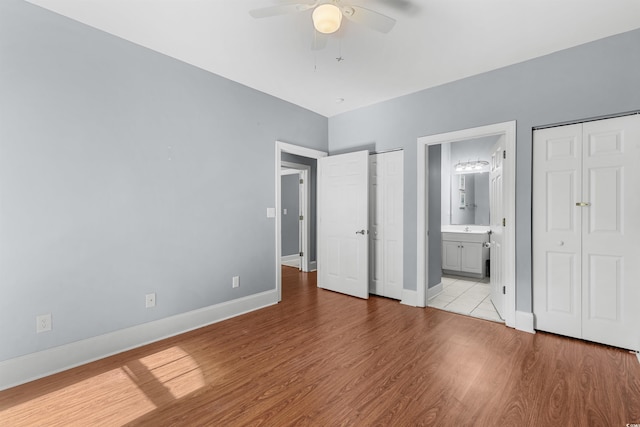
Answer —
315 52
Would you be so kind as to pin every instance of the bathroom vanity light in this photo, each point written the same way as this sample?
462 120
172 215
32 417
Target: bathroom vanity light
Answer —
472 166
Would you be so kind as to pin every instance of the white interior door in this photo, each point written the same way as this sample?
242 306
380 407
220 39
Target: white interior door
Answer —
496 217
557 239
303 220
393 221
386 183
611 232
585 231
376 237
343 202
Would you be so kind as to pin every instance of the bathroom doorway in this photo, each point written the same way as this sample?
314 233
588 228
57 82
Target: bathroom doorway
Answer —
464 184
430 211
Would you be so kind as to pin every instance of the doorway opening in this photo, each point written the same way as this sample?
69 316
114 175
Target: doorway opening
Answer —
463 185
283 150
295 215
502 229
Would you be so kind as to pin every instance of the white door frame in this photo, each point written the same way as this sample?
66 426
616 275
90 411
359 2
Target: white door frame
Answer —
283 147
304 233
508 129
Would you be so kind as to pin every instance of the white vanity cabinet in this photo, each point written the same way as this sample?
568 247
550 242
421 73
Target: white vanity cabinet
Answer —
465 254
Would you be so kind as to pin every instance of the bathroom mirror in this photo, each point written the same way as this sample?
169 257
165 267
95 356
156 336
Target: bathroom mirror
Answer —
470 199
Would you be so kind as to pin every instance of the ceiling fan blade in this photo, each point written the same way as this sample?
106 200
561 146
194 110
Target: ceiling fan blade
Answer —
407 6
369 18
282 9
319 41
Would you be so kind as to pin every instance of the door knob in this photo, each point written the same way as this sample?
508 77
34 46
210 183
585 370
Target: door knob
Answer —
583 204
361 232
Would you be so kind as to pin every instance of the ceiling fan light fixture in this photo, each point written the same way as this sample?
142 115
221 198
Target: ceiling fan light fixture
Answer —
327 18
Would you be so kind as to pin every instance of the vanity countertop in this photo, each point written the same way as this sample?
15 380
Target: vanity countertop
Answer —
474 229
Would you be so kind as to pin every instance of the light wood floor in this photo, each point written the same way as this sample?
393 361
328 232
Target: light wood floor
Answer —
325 359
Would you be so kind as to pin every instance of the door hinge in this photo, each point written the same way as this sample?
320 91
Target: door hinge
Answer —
301 181
504 154
301 217
504 290
504 222
301 253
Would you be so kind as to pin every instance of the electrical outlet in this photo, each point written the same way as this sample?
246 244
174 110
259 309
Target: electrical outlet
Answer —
43 323
235 282
150 300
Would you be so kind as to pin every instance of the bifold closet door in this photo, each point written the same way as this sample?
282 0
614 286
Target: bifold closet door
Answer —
586 259
557 230
611 232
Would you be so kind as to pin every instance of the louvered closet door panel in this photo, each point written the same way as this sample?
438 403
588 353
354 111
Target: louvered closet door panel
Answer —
557 230
611 232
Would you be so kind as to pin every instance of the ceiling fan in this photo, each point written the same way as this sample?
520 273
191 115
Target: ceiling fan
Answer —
327 16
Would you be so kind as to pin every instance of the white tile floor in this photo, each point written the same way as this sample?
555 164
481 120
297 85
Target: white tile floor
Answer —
466 296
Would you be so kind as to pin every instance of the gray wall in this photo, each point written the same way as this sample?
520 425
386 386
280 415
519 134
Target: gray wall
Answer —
290 222
594 79
124 172
435 236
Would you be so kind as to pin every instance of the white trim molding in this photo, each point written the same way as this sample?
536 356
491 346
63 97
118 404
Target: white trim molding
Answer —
291 260
409 297
524 322
29 367
434 291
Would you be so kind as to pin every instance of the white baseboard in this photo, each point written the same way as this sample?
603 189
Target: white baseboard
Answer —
638 356
433 291
409 297
524 322
313 266
290 260
32 366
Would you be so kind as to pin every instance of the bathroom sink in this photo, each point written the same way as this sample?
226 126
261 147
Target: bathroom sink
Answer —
471 229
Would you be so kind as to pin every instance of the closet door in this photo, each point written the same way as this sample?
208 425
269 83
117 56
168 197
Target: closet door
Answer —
376 260
611 232
386 223
557 284
586 231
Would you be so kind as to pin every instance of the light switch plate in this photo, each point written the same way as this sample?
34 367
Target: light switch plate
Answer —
150 300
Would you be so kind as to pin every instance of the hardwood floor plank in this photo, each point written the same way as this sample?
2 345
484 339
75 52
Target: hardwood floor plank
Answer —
321 358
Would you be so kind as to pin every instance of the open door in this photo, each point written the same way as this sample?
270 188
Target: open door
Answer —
497 227
343 210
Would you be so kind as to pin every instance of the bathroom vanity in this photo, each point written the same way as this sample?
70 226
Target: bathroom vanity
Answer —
465 251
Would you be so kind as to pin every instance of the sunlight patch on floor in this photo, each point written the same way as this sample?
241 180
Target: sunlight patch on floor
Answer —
92 401
123 394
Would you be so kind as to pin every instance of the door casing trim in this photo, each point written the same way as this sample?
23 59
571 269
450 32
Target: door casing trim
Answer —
284 147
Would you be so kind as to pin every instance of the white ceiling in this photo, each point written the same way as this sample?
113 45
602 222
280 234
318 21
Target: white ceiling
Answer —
433 42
